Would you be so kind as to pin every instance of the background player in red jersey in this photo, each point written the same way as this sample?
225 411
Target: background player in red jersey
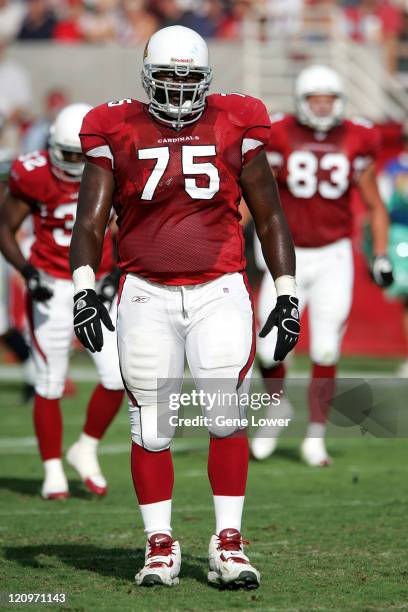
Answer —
317 157
45 185
175 170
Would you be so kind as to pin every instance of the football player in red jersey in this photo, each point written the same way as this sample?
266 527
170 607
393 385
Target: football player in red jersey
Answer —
175 170
45 184
317 157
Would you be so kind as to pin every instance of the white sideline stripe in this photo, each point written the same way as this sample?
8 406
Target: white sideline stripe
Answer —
90 510
28 446
14 373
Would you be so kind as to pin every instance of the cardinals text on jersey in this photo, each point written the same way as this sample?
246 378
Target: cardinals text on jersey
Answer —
53 202
177 192
315 172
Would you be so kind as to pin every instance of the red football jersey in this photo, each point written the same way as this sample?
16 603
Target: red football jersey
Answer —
315 172
53 202
177 192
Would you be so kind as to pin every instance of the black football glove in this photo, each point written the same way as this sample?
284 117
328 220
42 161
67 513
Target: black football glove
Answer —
381 271
109 287
89 312
285 316
35 284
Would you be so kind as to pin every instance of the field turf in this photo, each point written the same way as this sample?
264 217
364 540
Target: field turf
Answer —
330 539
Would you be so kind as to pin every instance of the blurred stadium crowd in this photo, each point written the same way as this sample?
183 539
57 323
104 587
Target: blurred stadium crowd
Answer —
133 21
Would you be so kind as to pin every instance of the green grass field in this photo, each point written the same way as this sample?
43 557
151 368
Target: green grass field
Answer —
331 539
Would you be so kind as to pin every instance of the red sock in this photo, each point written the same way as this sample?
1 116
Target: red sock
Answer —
48 427
102 409
273 378
228 464
321 392
153 474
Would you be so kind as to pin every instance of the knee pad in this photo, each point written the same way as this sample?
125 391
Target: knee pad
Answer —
49 389
325 354
112 381
147 432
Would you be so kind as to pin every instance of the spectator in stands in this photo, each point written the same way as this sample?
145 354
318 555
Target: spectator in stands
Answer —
11 17
171 12
36 136
99 25
68 28
135 22
231 25
15 99
39 21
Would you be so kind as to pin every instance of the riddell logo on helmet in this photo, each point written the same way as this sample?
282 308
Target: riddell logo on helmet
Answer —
182 61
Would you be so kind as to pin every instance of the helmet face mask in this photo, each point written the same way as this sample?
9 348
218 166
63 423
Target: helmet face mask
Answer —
324 83
65 151
176 76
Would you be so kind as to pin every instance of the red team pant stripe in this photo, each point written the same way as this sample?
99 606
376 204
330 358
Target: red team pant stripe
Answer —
30 317
252 352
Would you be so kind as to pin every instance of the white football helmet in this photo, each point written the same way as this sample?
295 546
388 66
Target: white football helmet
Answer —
178 100
319 80
64 139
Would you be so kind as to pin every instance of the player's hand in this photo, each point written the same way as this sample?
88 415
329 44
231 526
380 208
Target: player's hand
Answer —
109 286
285 316
35 284
89 314
381 271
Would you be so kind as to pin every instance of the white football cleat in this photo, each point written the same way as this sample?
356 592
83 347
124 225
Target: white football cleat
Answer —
55 485
313 452
229 566
162 562
83 458
265 441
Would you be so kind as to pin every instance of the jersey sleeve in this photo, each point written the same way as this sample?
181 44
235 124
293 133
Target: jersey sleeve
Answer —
276 145
256 133
20 183
94 143
370 138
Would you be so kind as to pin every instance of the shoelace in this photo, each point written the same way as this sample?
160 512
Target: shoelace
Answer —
162 549
233 543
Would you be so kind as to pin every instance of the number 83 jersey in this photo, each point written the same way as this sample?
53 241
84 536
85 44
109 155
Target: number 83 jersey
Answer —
315 172
53 203
177 192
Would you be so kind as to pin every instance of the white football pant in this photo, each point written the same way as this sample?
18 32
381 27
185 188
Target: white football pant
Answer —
211 324
324 278
52 331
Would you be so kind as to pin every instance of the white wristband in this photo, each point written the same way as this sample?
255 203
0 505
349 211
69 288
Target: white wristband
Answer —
285 285
84 278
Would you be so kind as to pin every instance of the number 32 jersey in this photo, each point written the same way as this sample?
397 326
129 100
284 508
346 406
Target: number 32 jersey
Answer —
177 192
315 172
53 202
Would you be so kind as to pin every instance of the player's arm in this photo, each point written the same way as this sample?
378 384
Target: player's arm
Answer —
109 285
379 221
94 205
262 198
13 211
